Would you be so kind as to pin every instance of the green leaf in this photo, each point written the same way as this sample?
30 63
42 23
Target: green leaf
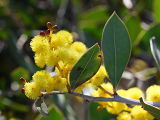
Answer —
116 48
155 51
156 10
145 37
41 107
86 67
151 109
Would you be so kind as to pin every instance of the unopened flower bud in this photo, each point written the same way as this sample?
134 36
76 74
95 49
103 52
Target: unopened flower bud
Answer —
48 32
22 90
100 107
42 34
55 27
49 25
22 80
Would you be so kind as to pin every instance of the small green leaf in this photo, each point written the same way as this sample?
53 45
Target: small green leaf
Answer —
151 109
116 48
86 67
155 51
156 10
41 107
145 36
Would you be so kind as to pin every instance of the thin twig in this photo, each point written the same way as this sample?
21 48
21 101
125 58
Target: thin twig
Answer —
106 91
115 98
85 107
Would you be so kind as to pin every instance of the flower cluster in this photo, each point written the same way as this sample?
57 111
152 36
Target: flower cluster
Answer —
56 50
125 112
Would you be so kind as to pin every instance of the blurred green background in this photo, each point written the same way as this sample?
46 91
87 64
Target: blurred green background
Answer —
20 20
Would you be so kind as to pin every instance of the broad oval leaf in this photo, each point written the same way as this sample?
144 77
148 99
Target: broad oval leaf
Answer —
155 51
41 107
151 109
86 67
116 48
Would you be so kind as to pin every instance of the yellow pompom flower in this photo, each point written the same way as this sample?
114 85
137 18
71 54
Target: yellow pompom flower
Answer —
39 44
98 78
62 38
153 93
52 58
40 60
95 93
73 57
134 93
107 86
63 53
101 93
60 83
32 90
41 78
124 116
122 92
138 113
115 107
79 47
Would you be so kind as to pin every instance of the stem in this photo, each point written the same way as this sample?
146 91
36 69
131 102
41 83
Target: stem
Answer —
106 91
85 107
116 98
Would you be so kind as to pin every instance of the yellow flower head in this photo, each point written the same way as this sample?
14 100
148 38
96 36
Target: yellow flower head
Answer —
32 90
41 78
134 93
62 38
115 107
73 57
101 93
79 47
108 86
63 53
60 83
39 44
138 113
122 92
124 116
98 78
153 93
52 58
40 60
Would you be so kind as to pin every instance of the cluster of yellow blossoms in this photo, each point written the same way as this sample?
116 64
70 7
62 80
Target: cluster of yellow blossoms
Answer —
124 111
57 50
